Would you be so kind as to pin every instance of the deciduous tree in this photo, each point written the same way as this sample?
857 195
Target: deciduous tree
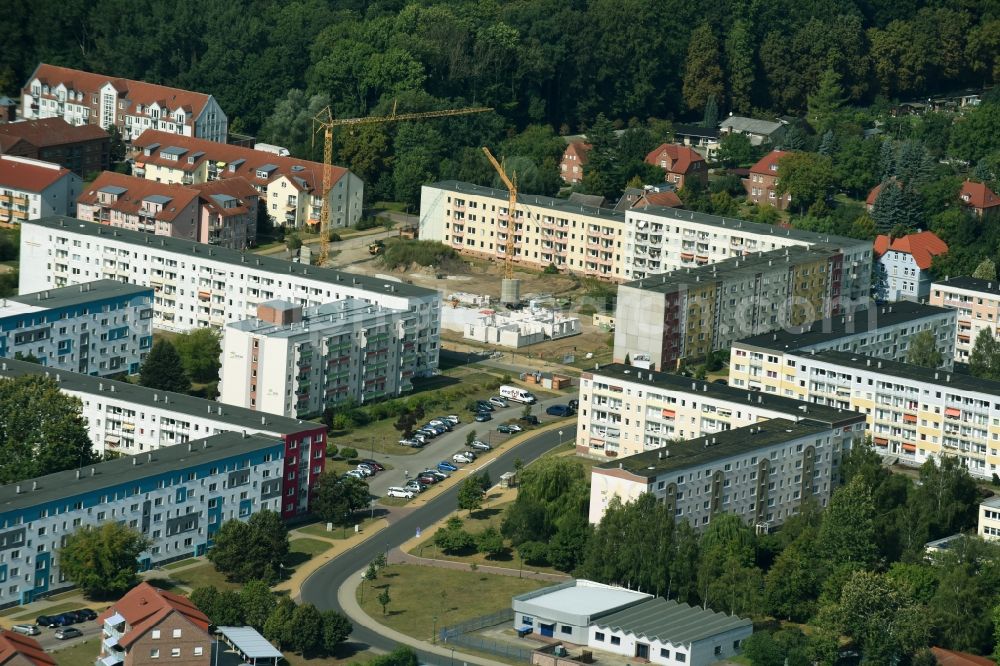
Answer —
251 550
470 495
808 177
103 560
336 498
923 350
199 351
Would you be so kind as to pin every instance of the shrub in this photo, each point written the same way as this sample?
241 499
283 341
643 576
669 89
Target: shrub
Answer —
366 223
534 552
335 237
349 454
551 270
400 253
452 538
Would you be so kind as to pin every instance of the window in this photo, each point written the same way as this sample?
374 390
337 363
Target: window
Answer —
681 657
527 620
664 652
616 640
599 636
566 629
154 653
156 634
175 652
177 633
718 650
198 651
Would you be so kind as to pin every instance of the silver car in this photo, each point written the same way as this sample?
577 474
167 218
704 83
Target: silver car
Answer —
26 629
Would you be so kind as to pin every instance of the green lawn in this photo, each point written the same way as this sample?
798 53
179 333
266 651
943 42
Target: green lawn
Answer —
83 654
422 594
203 575
187 561
303 550
319 529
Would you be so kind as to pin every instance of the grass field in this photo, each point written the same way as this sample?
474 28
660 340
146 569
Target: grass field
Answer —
303 550
319 529
82 654
424 596
203 575
178 564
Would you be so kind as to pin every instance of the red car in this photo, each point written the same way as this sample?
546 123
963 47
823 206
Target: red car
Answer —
427 479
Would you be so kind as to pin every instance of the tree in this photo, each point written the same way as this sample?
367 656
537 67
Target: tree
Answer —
826 102
405 423
401 656
762 650
923 350
292 241
888 209
808 177
986 270
223 608
251 550
200 353
735 150
384 598
280 626
847 534
470 495
470 437
308 624
452 538
702 68
711 115
117 152
336 498
490 543
828 144
257 602
740 68
164 370
103 560
41 429
336 628
984 360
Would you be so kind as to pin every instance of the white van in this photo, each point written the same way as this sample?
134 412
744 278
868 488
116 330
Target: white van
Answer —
517 394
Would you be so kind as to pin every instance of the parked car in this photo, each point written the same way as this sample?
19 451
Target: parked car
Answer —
87 614
441 422
483 416
504 428
427 479
439 429
469 454
372 463
427 433
530 419
453 418
64 633
574 404
357 474
420 437
65 619
446 466
365 470
416 485
559 410
461 458
396 491
485 406
497 401
407 442
46 621
26 629
480 446
514 427
438 474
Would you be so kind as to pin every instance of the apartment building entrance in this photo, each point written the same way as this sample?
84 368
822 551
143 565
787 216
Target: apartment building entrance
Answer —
642 651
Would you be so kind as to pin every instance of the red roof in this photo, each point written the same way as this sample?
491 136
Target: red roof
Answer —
137 92
136 190
953 658
303 174
978 195
12 644
665 199
873 195
48 132
580 149
768 165
237 187
679 158
145 606
27 175
922 246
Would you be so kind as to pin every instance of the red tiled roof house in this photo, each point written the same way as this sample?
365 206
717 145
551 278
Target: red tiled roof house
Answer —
980 199
18 650
82 149
680 164
573 160
762 181
904 265
30 189
151 626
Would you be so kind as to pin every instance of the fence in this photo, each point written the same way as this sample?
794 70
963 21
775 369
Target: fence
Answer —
459 634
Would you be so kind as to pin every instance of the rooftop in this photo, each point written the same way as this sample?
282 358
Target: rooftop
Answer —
582 597
248 641
87 292
707 449
224 255
127 469
12 645
48 132
667 621
131 193
669 382
970 284
529 200
751 125
941 378
140 396
855 323
923 246
144 606
696 130
332 315
28 175
993 502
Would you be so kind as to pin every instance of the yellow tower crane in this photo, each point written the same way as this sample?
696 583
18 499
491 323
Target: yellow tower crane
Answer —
510 289
324 120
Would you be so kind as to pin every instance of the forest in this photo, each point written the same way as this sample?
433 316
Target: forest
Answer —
548 66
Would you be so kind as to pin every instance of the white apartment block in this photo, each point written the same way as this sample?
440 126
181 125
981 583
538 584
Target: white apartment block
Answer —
762 473
297 362
199 286
30 189
97 328
626 411
977 304
177 497
86 98
880 331
914 413
989 519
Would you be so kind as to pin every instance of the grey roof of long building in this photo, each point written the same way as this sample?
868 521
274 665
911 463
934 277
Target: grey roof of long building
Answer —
528 200
942 378
233 257
334 315
140 396
54 487
707 449
854 323
59 297
971 284
667 621
737 396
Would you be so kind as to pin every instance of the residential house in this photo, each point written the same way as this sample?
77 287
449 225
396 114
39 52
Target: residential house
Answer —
228 216
903 265
980 199
19 650
31 189
761 185
290 188
680 164
149 626
573 160
703 139
989 519
664 197
977 303
84 149
86 98
759 131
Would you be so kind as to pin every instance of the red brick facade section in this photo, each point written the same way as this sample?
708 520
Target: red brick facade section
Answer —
761 185
680 164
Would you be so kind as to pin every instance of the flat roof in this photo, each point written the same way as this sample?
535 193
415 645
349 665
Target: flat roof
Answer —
858 322
737 396
113 189
140 396
668 621
60 223
727 443
992 502
78 294
53 487
529 199
970 284
161 199
319 317
942 378
582 597
174 150
249 641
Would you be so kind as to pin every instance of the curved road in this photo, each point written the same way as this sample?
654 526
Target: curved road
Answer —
321 587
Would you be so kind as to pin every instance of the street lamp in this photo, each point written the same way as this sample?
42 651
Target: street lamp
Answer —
560 437
434 634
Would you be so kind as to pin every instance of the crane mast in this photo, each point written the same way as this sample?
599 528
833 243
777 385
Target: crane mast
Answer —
510 289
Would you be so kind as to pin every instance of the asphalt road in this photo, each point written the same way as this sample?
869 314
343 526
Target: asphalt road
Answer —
321 587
